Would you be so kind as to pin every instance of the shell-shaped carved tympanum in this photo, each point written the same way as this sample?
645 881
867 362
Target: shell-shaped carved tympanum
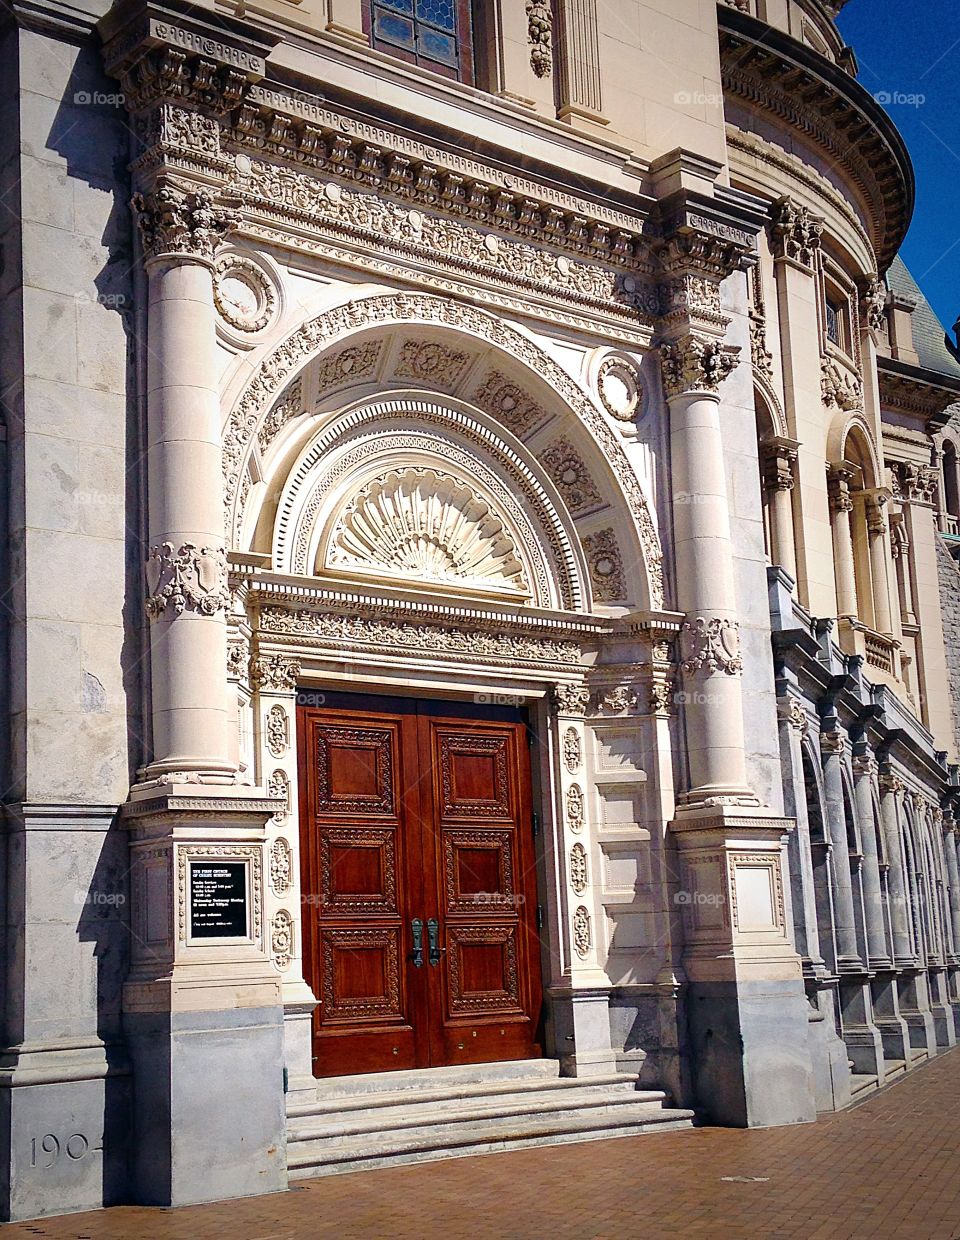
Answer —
424 524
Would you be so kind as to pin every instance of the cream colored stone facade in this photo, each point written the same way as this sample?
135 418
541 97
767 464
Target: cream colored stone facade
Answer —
580 386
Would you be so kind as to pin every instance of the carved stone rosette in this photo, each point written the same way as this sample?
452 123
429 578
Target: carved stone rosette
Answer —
711 645
191 579
696 364
186 222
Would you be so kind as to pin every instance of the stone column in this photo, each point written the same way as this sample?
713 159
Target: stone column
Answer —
848 954
953 878
746 1006
891 789
841 506
879 561
779 460
864 773
202 1009
188 597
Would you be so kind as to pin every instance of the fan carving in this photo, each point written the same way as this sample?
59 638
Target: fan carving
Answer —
430 526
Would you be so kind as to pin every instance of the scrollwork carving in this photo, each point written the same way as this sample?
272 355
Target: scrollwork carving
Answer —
281 939
711 645
696 364
574 806
572 750
578 868
275 673
277 731
570 699
191 579
796 232
281 866
582 935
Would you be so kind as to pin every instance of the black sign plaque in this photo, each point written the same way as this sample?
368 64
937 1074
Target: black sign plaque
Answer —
218 900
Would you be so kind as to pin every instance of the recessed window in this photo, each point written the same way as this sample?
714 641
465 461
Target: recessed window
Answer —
834 330
435 34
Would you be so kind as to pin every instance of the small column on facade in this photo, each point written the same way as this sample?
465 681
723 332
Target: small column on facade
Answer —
832 749
841 506
951 848
752 1059
891 792
807 931
879 560
864 775
779 458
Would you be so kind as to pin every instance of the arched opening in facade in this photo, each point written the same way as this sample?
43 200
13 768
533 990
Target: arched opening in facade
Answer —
428 518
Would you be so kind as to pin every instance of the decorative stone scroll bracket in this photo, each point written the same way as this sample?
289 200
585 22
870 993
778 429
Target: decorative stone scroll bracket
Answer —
179 221
274 673
795 233
711 645
696 364
191 579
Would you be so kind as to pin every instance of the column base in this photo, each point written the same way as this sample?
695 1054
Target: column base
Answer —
860 1035
828 1053
209 1114
746 1008
64 1128
581 1021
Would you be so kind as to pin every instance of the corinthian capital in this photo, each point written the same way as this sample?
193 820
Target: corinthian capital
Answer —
795 233
696 364
177 221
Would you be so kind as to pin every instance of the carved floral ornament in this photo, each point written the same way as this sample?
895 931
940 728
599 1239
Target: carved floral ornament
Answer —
281 939
244 295
279 368
696 364
873 299
711 645
619 388
190 579
839 386
275 673
582 933
570 699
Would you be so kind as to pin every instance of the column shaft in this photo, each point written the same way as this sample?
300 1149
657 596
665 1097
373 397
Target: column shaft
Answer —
877 953
903 953
848 955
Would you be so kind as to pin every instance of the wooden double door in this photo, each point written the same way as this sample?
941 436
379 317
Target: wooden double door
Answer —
419 889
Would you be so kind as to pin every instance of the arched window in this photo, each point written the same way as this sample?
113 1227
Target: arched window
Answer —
777 459
950 469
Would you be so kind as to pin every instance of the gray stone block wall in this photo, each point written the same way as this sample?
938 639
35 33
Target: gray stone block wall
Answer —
949 580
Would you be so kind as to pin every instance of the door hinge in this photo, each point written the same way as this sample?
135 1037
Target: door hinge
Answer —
536 824
539 916
286 1080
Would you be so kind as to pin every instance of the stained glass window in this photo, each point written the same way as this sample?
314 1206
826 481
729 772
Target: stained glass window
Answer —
436 34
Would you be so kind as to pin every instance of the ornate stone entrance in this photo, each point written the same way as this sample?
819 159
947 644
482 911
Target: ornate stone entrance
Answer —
419 883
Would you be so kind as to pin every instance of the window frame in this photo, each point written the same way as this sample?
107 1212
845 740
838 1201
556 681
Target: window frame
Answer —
466 70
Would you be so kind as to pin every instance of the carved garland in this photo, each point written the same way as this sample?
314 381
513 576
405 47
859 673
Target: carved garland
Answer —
277 369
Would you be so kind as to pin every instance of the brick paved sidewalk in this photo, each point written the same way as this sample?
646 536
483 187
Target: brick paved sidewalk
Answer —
888 1168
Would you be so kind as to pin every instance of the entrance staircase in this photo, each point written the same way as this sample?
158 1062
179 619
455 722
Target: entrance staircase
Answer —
352 1123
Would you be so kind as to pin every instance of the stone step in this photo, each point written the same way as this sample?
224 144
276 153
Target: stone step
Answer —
862 1084
414 1078
382 1102
428 1116
466 1137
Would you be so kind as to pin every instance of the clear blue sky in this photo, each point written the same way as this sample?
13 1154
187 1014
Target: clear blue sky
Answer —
909 52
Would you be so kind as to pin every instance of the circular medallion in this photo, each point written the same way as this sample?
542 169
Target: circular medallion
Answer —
243 294
618 385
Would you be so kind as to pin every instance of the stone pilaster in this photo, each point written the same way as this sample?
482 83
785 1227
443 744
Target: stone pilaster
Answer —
579 62
778 460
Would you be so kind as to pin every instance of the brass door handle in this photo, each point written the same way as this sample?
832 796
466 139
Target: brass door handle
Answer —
435 951
416 929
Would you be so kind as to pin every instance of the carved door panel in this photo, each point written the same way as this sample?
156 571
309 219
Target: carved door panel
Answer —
361 878
420 935
486 994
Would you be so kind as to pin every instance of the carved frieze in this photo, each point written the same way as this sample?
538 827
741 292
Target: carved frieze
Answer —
431 363
506 400
191 579
696 364
358 633
290 405
354 364
622 699
173 221
711 644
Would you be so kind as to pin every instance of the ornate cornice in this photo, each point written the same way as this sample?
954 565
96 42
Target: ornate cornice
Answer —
914 484
696 364
918 393
809 95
